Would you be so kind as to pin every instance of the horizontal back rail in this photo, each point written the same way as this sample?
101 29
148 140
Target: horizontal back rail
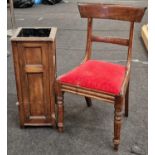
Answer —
111 11
119 41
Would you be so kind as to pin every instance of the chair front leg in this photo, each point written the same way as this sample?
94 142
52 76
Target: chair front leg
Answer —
117 121
60 106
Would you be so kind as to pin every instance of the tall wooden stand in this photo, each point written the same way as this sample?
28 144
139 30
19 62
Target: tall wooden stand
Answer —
34 63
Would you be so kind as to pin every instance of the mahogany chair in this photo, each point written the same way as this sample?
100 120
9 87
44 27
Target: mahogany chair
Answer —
99 79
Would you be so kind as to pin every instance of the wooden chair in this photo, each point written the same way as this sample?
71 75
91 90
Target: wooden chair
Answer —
98 79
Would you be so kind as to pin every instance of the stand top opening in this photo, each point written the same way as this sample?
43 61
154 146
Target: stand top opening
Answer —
35 34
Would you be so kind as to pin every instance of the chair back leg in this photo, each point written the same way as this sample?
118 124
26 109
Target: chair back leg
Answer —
88 101
127 102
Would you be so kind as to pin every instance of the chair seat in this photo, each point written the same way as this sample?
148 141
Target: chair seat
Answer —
96 75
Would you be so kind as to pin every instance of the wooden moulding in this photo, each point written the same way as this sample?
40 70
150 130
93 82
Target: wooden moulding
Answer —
33 68
89 93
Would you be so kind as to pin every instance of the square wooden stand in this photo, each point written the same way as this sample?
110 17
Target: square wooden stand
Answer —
34 55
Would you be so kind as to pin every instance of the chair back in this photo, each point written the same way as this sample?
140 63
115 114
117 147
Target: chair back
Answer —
114 12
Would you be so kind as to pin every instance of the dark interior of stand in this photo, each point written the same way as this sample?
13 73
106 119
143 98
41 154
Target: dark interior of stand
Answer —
33 32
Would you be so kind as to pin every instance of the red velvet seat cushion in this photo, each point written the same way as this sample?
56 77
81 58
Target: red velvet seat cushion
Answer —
98 75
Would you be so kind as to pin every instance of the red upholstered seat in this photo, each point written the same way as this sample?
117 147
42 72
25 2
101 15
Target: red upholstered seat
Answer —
98 75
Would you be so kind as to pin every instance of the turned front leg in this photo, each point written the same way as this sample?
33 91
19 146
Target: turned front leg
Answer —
60 113
117 122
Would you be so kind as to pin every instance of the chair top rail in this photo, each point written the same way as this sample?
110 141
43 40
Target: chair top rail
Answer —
111 11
